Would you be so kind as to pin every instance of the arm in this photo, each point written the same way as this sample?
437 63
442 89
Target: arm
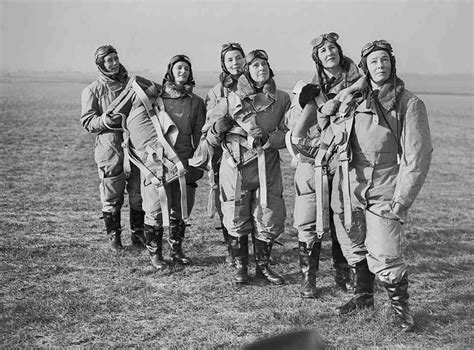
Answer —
416 156
200 119
276 139
92 118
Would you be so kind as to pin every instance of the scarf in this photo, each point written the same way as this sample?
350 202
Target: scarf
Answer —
121 76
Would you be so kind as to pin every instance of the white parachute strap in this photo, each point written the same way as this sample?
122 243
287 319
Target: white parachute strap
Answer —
344 159
262 176
321 184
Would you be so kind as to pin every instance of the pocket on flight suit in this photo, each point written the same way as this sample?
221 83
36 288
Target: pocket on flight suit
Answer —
108 154
385 236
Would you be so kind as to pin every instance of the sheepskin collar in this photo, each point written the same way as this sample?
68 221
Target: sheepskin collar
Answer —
388 95
245 88
344 80
170 90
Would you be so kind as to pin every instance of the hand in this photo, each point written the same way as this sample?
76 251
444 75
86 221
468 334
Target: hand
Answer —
223 124
308 93
330 107
113 120
259 135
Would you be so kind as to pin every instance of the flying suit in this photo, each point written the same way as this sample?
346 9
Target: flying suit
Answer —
244 208
108 153
390 154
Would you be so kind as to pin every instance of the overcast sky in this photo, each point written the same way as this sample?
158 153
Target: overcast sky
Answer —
46 35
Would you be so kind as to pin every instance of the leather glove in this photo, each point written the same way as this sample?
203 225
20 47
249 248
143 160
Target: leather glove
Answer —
223 124
308 93
330 107
113 120
260 136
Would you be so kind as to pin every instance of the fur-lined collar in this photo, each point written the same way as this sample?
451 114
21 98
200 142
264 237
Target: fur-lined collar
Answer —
388 95
246 89
347 78
170 90
228 81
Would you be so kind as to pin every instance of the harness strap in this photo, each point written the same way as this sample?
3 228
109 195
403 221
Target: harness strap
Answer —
211 201
344 166
262 176
321 185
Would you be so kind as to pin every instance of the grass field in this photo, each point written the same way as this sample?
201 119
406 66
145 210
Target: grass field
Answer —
61 287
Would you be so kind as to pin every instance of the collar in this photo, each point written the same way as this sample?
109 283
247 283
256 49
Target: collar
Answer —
170 90
120 77
347 77
388 95
246 89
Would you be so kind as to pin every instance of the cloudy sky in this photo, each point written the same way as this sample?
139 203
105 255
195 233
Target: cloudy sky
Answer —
428 36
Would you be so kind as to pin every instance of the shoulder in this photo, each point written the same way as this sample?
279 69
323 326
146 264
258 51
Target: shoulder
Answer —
93 87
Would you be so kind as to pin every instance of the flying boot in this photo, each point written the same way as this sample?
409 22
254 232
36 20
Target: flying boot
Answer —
114 229
136 227
342 275
398 294
175 240
239 247
153 243
309 264
363 289
262 251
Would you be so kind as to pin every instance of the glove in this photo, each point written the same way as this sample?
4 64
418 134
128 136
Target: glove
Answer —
113 120
308 93
330 107
223 124
260 136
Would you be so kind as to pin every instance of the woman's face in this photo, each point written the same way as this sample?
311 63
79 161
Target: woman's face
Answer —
259 71
181 71
328 54
112 63
234 62
379 66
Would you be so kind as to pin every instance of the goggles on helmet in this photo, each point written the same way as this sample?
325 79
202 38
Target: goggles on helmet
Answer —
369 47
256 54
178 58
331 37
231 46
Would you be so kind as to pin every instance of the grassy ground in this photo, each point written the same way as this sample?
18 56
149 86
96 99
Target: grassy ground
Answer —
60 286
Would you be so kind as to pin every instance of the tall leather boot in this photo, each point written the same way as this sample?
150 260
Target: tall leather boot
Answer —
398 294
175 240
136 227
309 264
342 275
229 259
154 245
114 229
262 251
363 289
239 247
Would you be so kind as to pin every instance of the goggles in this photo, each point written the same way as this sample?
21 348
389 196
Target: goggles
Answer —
256 54
331 37
369 47
231 46
178 58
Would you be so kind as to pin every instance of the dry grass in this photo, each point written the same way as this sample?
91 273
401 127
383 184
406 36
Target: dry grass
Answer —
61 287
